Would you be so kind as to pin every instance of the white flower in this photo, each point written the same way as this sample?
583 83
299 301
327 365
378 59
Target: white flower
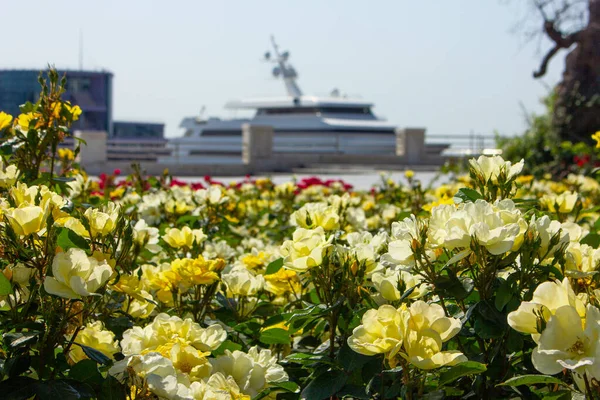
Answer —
241 282
146 236
548 297
498 227
220 249
546 230
426 328
252 371
563 203
565 343
306 249
492 167
581 259
76 275
165 329
312 215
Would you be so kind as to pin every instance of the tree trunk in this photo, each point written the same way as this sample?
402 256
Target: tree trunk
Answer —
577 109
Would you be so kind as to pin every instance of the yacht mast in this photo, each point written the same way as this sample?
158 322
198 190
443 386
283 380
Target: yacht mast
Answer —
283 68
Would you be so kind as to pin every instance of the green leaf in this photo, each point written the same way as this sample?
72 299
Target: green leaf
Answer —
53 390
305 358
353 392
408 292
17 365
467 195
287 386
591 239
558 395
68 239
275 336
6 149
95 355
450 286
503 295
27 107
5 286
118 325
15 340
63 179
86 371
532 380
112 390
325 385
17 388
350 359
274 266
459 370
84 390
227 345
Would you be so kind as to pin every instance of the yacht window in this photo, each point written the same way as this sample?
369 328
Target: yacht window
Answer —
315 110
288 110
346 110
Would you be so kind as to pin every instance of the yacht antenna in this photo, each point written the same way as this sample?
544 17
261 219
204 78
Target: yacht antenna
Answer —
283 68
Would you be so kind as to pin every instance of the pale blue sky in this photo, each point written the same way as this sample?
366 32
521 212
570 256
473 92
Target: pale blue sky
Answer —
451 66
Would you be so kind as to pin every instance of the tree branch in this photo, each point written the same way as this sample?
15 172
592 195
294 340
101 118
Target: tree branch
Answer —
557 37
560 42
544 67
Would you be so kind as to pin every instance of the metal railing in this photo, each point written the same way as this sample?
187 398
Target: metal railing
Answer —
465 145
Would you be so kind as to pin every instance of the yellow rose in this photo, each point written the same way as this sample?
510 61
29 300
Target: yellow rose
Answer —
73 224
596 137
165 330
74 110
102 222
563 203
26 220
381 332
242 282
190 361
76 275
567 343
66 154
252 371
23 194
531 316
137 306
426 328
178 238
24 120
197 271
283 281
313 215
8 175
5 120
95 336
490 168
306 249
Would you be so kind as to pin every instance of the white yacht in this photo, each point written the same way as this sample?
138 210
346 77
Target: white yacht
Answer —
301 123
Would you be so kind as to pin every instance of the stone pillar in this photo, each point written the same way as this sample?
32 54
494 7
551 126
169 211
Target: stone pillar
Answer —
410 143
257 143
93 153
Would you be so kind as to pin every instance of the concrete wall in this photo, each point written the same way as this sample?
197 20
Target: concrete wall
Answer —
93 152
258 156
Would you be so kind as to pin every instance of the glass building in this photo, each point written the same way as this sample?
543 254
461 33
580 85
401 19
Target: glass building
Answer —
141 130
90 90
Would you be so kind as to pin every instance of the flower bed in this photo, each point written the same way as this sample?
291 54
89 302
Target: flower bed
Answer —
149 287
